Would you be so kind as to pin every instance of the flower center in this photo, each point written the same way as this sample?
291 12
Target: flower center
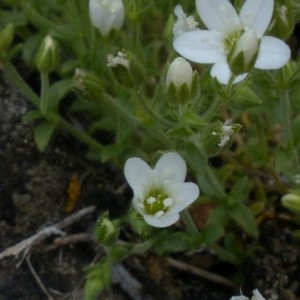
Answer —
157 203
231 40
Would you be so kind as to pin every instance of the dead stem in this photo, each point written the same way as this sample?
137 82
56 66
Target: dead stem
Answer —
201 273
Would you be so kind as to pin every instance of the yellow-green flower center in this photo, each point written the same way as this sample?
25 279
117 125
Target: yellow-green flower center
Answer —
231 39
157 202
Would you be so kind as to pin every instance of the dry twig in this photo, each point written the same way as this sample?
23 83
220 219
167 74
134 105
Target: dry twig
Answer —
201 273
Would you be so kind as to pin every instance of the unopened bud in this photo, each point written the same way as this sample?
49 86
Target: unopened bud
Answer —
242 57
87 84
180 72
106 15
126 68
47 57
292 202
283 18
107 231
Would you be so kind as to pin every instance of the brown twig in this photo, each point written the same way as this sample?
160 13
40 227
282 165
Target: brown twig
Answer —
28 244
37 278
201 273
69 239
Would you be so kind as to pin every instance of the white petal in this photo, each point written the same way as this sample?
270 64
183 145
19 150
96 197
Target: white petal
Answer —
273 53
221 71
183 194
239 298
218 15
163 221
137 173
201 46
171 166
256 15
257 295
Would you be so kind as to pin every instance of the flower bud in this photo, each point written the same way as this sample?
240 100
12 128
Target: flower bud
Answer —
87 84
242 57
126 68
47 56
283 19
106 15
216 136
180 72
292 202
107 231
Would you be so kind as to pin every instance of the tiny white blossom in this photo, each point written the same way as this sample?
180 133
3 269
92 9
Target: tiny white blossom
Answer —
225 29
226 133
183 23
159 194
106 14
180 71
256 296
120 59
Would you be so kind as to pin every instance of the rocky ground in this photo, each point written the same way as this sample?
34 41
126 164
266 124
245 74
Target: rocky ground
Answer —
34 196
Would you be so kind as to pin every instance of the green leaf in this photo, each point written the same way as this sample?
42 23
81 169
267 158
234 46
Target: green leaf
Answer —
192 118
212 233
172 242
240 190
57 92
242 215
43 133
32 116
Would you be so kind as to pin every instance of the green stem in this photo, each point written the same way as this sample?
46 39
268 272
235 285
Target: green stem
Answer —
79 134
206 177
44 102
13 75
189 223
212 111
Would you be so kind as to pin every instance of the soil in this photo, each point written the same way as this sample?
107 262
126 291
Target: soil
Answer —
34 196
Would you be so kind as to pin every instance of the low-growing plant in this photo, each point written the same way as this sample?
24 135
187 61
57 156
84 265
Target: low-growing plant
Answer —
116 63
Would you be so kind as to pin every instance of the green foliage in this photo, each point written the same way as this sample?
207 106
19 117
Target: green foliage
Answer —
252 126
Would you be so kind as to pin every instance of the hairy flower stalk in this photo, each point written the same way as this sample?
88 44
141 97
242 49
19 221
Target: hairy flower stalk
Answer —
160 193
233 43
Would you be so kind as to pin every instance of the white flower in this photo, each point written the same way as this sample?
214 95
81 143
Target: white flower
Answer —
183 23
226 28
160 193
120 59
179 72
106 15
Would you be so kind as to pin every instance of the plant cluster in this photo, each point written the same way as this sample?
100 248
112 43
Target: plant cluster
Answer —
113 67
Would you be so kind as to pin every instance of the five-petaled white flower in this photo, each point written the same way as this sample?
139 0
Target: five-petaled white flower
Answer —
160 193
234 43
